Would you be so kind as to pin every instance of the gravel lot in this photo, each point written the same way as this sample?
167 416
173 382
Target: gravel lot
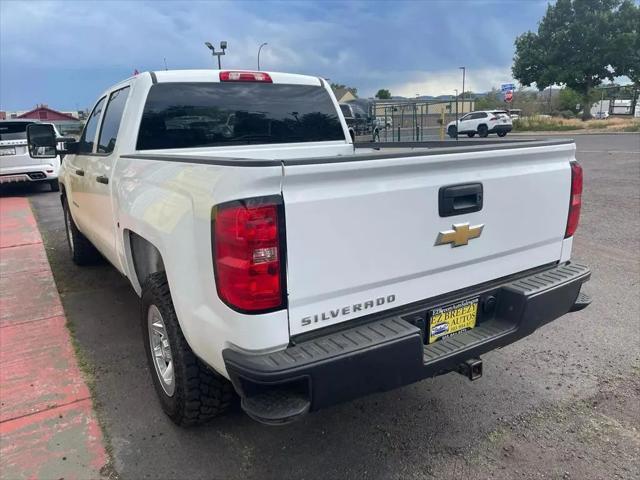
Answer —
562 403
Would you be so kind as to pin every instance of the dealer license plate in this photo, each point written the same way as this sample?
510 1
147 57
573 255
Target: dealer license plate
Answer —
8 151
452 319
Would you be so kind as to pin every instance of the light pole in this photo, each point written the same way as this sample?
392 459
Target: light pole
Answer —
601 100
260 48
223 47
456 114
464 70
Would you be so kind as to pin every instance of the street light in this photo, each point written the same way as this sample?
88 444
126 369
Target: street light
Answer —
223 47
463 75
260 48
457 126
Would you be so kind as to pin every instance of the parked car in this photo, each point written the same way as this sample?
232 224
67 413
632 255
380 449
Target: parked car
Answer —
276 259
384 122
514 113
359 121
482 123
601 115
16 165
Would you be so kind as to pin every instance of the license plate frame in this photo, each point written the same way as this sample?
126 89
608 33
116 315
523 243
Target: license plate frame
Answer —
451 319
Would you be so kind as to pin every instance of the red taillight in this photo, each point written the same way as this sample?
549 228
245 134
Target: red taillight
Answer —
245 77
492 119
247 255
576 199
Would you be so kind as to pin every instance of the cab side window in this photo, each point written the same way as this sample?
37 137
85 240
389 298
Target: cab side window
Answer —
112 119
90 129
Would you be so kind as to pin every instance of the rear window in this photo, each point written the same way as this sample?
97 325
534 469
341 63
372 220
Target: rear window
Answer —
186 115
13 130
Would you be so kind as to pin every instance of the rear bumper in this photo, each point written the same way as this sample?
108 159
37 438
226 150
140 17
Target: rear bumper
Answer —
30 173
388 351
501 128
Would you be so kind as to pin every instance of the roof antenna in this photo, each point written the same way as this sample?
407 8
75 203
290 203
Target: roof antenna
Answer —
165 63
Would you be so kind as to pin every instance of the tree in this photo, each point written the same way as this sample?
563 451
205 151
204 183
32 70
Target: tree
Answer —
490 101
626 45
353 90
569 99
573 46
383 94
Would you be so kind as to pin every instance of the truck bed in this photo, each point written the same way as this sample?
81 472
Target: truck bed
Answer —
362 152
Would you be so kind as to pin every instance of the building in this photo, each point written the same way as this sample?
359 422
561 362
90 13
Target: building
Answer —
68 123
46 114
344 95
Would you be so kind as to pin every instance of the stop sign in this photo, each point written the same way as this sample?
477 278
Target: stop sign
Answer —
508 95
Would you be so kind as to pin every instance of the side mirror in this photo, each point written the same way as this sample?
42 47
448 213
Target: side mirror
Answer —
41 138
69 145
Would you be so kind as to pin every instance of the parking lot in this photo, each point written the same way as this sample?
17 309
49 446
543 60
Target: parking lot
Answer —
562 403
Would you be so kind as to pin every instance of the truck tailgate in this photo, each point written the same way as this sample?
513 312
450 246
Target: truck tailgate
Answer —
361 233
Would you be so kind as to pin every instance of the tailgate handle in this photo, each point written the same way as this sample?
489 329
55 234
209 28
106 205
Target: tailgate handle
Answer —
460 199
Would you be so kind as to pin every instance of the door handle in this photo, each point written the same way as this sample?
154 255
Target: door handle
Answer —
80 173
460 199
102 179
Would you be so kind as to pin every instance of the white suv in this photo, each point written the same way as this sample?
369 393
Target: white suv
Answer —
16 165
483 123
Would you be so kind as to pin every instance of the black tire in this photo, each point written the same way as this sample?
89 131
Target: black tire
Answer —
483 131
502 134
452 131
199 394
82 250
55 186
471 134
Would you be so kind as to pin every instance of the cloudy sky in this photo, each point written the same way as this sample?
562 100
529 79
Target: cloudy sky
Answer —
65 53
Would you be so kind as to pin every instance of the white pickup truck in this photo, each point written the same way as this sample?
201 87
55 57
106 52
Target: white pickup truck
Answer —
276 258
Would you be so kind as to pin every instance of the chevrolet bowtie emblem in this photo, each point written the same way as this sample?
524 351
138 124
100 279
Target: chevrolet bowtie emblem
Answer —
460 235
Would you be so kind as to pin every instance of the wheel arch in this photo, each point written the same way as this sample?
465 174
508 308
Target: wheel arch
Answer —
143 259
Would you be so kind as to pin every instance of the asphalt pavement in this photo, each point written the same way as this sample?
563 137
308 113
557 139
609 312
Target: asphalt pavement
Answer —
562 403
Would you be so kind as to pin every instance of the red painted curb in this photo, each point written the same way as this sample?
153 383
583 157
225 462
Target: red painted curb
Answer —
48 428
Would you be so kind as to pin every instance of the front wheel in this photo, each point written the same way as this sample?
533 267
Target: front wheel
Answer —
502 134
189 392
452 131
82 250
483 131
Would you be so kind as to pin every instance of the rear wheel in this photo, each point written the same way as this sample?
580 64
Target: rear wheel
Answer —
55 186
471 134
189 392
483 131
452 131
502 134
82 250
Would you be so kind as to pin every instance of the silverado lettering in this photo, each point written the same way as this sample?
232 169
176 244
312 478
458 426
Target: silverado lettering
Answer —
356 307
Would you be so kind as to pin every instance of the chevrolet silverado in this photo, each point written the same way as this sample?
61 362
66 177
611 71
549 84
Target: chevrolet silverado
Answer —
279 261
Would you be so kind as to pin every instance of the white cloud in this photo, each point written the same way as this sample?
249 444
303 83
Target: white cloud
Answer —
445 82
